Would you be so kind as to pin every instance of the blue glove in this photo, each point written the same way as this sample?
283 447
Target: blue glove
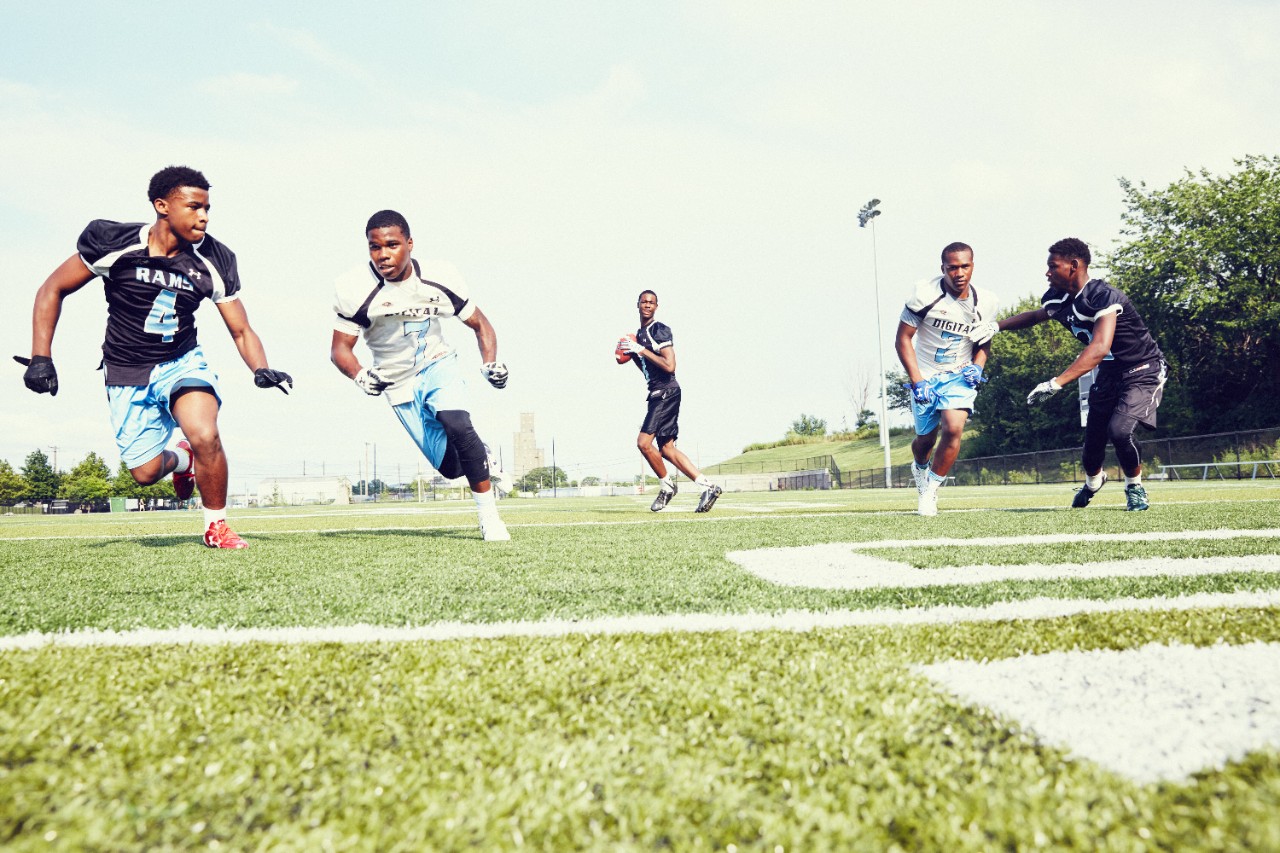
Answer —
972 375
921 392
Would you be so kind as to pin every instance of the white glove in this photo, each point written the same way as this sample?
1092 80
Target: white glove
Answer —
982 332
1043 391
628 345
370 381
496 373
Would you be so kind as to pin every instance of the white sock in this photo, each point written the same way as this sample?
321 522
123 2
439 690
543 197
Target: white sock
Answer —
934 482
1093 481
485 500
1133 481
703 482
666 484
184 460
212 515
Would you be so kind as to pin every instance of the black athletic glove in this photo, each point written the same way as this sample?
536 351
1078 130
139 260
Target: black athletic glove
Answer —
265 377
40 376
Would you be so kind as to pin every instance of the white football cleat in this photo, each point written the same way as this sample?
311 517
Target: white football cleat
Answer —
492 529
928 503
499 478
921 476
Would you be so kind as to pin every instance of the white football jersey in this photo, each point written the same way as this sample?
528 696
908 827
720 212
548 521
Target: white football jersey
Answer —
942 325
400 320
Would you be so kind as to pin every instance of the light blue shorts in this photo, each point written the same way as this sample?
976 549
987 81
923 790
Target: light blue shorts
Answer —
953 393
141 415
440 387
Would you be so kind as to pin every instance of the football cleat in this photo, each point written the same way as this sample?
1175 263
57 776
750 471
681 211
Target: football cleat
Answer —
928 504
664 497
1082 498
492 529
708 499
1135 498
184 485
220 536
499 478
921 476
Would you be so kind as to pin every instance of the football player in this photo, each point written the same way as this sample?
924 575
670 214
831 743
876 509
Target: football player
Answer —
1131 367
154 277
943 366
654 353
397 304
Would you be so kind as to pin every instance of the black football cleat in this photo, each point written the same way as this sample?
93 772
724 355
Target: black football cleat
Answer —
708 499
1082 498
664 497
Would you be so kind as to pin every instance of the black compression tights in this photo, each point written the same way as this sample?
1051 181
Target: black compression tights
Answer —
1119 431
464 455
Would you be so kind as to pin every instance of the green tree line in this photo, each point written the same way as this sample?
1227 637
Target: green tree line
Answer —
90 483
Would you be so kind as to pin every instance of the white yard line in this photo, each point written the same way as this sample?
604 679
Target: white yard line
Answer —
1155 713
843 565
1036 608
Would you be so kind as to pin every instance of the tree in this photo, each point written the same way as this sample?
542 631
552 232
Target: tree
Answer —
12 486
590 481
42 481
809 425
1202 266
87 483
124 486
542 478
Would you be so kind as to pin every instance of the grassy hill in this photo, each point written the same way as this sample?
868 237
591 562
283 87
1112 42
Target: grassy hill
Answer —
849 455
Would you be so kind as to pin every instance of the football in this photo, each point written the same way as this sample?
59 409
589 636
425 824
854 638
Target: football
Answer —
619 353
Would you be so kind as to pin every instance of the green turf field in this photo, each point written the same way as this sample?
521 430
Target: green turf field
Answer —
378 678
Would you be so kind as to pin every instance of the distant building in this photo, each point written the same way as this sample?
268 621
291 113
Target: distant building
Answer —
296 491
528 456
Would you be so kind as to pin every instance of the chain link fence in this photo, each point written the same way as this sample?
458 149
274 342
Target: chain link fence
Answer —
1239 455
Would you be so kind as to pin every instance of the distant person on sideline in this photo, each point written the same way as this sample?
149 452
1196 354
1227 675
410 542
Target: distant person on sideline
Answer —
155 275
1131 367
943 366
397 303
653 350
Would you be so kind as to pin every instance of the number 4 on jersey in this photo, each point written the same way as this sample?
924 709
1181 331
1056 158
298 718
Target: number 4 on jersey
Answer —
163 319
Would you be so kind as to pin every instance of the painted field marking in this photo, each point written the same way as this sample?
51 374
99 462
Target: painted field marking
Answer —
845 565
801 620
1155 713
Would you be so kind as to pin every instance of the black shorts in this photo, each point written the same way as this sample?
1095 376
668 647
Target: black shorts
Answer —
663 416
1133 391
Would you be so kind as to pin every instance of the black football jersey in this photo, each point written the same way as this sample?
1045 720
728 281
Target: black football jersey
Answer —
655 337
151 301
1132 343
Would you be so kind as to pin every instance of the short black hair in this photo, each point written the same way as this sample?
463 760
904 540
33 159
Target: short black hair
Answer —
388 219
171 178
955 247
1072 247
643 292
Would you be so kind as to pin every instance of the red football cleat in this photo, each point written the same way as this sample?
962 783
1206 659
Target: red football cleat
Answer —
220 536
185 484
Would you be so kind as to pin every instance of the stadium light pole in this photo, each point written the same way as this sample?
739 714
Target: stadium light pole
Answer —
865 216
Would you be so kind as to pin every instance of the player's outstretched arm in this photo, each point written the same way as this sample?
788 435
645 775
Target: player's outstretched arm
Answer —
342 352
250 346
1025 320
40 375
904 343
495 372
70 276
1104 332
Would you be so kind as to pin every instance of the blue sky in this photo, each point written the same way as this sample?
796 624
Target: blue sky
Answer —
566 156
